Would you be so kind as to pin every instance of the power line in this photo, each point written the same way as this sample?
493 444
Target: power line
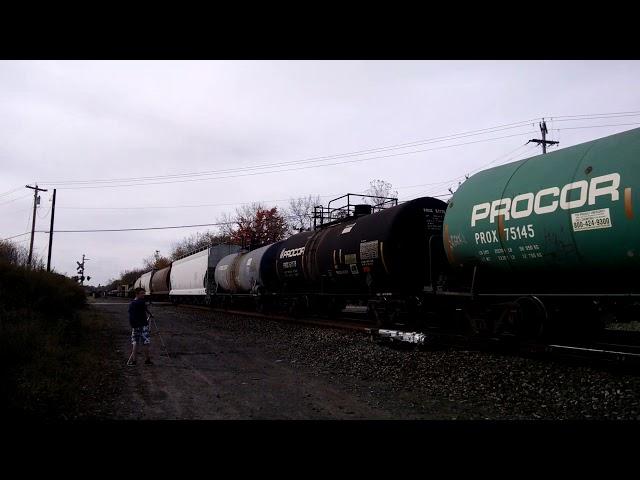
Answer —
154 207
16 199
16 236
597 126
46 214
597 114
227 223
331 164
18 211
10 192
301 168
355 153
28 219
556 119
510 158
288 199
302 161
198 205
138 229
438 185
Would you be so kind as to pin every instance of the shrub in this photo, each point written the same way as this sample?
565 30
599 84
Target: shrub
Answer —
49 294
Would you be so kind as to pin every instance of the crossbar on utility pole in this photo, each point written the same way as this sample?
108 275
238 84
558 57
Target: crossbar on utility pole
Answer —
544 142
36 189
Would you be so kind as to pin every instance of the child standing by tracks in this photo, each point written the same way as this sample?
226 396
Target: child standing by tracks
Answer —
140 333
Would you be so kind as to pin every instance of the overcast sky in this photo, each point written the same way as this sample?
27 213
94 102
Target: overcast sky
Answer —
80 120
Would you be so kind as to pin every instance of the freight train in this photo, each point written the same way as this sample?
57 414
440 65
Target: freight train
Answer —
546 244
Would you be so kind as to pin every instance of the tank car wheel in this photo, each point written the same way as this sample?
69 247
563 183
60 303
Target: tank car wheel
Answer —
383 316
293 309
259 304
380 317
305 304
529 318
472 323
332 308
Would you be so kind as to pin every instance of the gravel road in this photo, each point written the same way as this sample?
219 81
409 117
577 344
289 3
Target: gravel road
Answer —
223 366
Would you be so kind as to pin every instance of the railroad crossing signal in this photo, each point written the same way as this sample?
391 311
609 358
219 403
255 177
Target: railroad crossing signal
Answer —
80 277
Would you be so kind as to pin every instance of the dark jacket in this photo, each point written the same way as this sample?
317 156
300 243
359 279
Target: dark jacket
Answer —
138 313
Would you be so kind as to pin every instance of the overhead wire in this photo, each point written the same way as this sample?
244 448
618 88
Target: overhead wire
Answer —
600 115
10 191
438 185
97 230
227 223
46 214
16 199
302 161
298 168
343 155
598 126
313 166
501 158
556 119
16 236
198 205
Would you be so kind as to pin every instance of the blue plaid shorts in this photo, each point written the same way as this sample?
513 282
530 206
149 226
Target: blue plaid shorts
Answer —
140 335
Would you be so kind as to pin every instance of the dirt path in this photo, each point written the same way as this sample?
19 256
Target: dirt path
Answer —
211 375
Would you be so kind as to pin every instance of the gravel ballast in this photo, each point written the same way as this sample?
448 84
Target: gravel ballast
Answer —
440 384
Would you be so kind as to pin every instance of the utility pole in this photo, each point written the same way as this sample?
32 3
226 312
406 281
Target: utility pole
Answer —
33 224
53 212
544 142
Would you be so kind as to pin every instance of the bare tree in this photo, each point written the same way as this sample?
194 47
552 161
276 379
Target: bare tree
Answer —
300 213
128 277
197 241
380 188
18 255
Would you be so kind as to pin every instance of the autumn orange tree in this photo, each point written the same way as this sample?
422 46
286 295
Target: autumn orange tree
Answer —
254 226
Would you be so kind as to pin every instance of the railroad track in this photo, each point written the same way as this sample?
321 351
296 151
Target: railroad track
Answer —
613 346
624 353
338 323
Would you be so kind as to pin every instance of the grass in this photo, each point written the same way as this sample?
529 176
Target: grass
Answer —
52 349
60 373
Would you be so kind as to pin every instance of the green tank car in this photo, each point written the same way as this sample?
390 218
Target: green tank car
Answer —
572 213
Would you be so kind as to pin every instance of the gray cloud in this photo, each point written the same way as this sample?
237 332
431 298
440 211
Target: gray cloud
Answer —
90 120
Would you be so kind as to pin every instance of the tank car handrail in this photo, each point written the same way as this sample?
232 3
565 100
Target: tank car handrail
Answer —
327 215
